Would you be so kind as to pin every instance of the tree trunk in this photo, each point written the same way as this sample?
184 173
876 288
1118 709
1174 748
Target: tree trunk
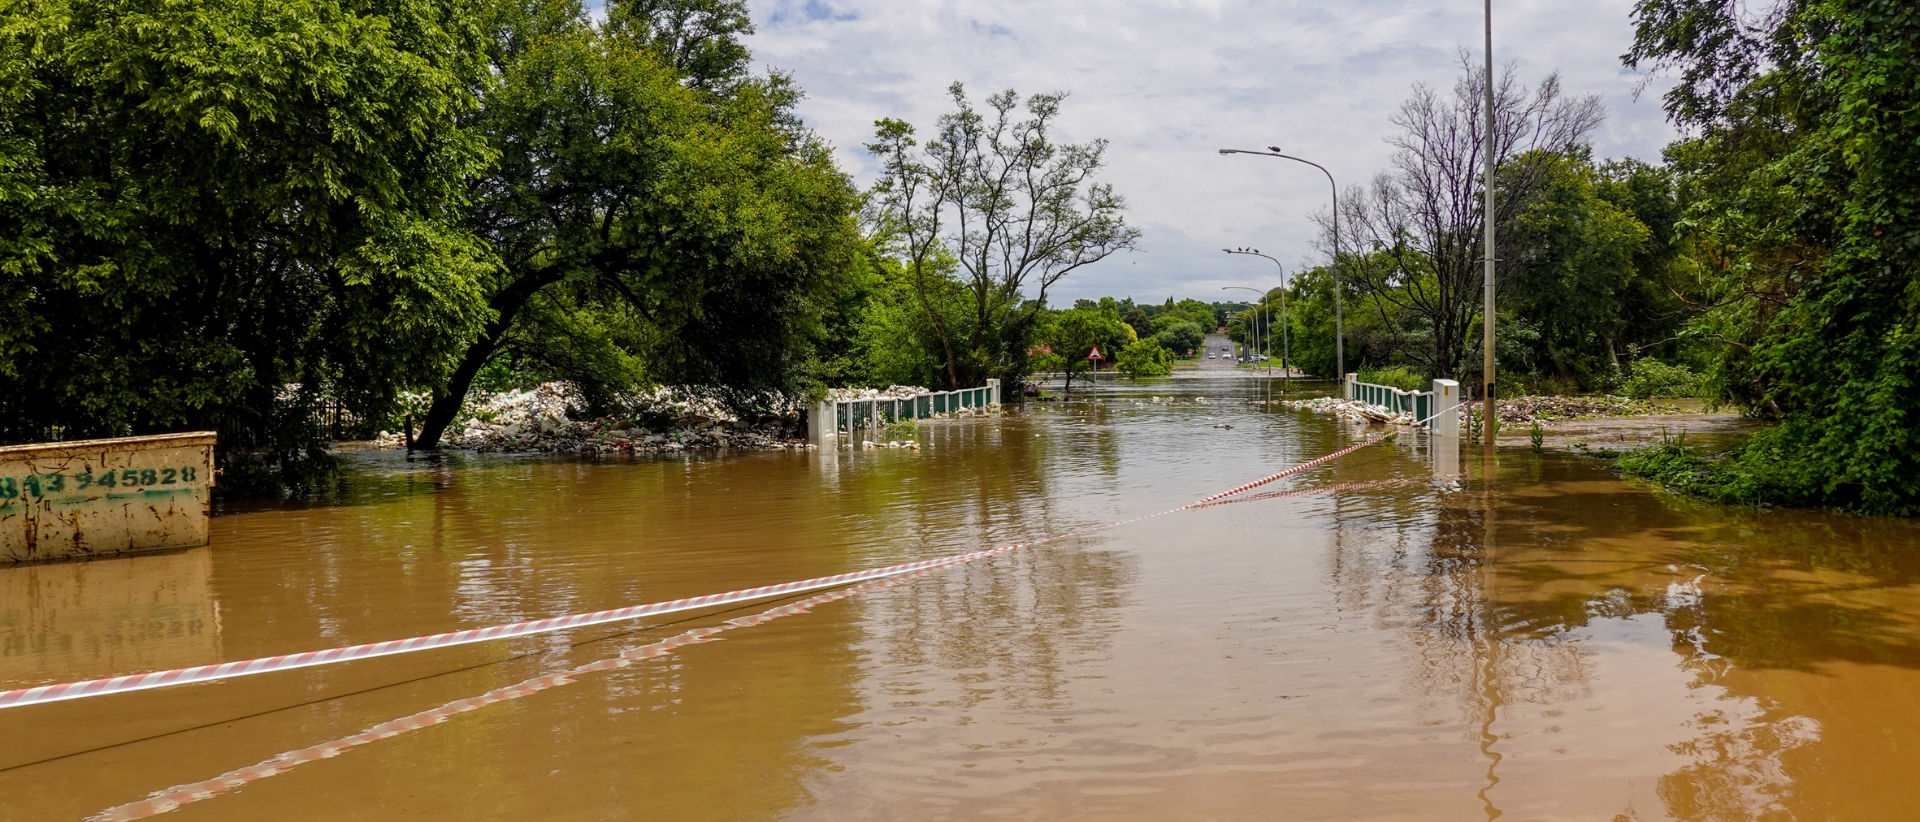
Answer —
506 305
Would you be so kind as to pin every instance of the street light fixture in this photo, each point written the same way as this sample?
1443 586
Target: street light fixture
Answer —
1286 344
1253 329
1261 331
1339 323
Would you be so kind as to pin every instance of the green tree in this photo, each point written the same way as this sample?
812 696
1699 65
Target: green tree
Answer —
1076 332
1571 272
1310 313
897 344
1015 209
219 214
689 212
1181 336
1801 182
1144 358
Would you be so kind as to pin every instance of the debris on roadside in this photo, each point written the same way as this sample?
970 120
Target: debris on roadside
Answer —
1518 410
1554 409
661 420
1350 410
893 392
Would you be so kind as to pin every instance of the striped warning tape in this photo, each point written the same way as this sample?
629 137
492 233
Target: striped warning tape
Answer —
40 694
170 799
1371 485
248 667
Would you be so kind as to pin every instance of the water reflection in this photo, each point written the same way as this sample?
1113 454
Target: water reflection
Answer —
1447 635
1543 585
76 620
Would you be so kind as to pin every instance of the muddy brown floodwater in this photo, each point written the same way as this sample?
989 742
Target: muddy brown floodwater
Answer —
1522 636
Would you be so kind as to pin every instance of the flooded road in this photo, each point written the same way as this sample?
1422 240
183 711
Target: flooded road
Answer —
1527 637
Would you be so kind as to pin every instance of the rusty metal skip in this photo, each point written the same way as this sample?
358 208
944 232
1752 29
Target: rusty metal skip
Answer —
93 498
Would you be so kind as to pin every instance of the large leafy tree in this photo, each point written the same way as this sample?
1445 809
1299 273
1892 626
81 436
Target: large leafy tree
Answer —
646 183
1593 284
1802 177
1011 207
212 214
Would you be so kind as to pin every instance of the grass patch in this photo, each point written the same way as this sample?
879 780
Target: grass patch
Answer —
1675 466
1765 471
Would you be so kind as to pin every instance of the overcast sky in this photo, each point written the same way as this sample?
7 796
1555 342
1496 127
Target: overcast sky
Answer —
1169 82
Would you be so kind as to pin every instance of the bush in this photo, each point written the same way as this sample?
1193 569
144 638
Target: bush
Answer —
1145 358
1675 466
1767 469
1648 379
1397 376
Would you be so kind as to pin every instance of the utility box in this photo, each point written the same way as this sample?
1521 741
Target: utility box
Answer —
94 498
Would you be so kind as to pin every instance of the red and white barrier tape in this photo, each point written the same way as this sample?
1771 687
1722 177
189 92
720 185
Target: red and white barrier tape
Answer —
247 667
170 799
1370 485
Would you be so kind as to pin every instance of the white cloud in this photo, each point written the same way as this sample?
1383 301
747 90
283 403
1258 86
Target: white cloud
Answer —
1169 82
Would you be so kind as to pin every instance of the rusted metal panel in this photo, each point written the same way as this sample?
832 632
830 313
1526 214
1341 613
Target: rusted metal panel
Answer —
73 500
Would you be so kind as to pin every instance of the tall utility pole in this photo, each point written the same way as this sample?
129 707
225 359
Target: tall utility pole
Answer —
1491 425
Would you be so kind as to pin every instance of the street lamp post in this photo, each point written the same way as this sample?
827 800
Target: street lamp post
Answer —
1339 324
1263 332
1286 344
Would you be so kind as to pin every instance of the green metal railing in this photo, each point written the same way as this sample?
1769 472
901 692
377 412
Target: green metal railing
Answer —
1392 400
850 416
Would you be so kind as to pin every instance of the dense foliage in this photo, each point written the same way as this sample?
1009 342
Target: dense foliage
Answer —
1145 358
278 221
657 213
221 214
1074 334
1802 183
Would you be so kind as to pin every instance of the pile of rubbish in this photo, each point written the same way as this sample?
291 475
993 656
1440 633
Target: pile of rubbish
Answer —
1171 401
1552 409
1518 410
544 419
892 392
552 418
1350 410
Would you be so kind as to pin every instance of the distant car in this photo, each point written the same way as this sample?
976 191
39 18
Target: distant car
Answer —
1213 356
